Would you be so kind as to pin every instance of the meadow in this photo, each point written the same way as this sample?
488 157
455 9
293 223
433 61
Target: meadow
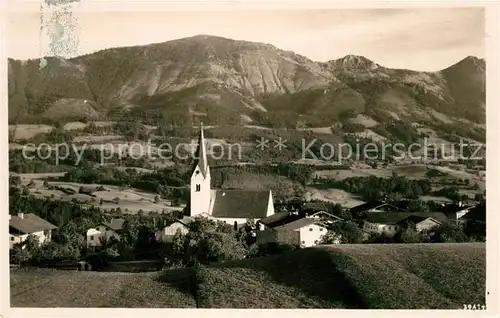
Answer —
375 276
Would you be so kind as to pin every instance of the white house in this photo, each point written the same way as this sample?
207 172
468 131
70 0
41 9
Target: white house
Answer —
457 211
22 225
304 232
94 237
230 206
167 233
104 232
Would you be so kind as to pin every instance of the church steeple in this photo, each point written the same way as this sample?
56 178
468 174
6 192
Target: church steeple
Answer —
200 180
201 153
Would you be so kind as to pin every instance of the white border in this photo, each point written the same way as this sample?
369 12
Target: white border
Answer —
492 33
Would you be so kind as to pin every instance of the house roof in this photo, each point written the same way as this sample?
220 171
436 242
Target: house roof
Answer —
115 224
370 205
326 215
30 223
417 219
92 231
477 213
300 223
275 218
283 218
397 217
453 208
185 220
365 206
244 204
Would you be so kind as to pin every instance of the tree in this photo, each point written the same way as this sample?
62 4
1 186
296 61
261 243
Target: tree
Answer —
130 231
19 255
331 237
206 242
247 233
14 180
381 238
145 238
347 232
31 243
408 235
25 191
213 247
449 233
417 206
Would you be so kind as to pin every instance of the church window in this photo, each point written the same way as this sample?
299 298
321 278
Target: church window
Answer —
198 188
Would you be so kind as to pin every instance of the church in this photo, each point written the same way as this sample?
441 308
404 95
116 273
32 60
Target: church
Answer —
229 206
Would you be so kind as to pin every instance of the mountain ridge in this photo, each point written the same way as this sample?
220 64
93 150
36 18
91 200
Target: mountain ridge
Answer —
225 81
207 36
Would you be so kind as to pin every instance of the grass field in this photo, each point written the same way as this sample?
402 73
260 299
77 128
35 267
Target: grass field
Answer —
342 276
346 199
130 200
51 288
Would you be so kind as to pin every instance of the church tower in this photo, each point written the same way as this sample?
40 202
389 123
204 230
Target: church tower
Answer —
200 180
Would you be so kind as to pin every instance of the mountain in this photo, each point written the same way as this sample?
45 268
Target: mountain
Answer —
223 81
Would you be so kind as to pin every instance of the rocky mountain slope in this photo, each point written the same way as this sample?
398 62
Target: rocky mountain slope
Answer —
223 81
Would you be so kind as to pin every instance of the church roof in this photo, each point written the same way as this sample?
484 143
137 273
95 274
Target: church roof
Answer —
201 154
241 204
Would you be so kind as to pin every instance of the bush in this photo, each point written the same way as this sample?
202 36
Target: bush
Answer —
345 232
408 235
207 242
375 188
449 233
259 250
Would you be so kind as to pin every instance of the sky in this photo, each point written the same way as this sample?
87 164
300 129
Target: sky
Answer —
421 39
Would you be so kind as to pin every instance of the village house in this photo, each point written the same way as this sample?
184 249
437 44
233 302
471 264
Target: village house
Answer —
392 223
325 217
23 225
168 232
283 218
234 206
304 232
476 214
456 211
104 232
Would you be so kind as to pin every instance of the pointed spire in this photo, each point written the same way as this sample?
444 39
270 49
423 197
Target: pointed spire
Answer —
202 153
